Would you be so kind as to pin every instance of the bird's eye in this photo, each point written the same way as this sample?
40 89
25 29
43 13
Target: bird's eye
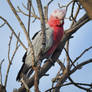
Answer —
56 17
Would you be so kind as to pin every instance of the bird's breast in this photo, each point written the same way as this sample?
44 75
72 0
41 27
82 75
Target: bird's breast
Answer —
58 34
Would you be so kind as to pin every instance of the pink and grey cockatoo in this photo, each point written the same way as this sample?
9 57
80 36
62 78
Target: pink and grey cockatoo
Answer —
54 33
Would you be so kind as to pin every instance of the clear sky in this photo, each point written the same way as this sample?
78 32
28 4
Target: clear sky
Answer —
82 40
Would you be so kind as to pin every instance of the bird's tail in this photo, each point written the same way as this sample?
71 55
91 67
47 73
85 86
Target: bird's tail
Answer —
25 71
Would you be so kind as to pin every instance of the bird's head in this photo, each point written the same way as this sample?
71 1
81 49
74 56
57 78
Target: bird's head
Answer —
57 17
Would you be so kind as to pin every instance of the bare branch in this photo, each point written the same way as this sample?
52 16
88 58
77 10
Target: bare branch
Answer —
2 25
29 4
33 14
80 65
76 14
61 65
83 88
77 58
66 6
20 21
36 79
72 11
68 58
10 60
82 84
12 30
46 10
42 23
23 27
76 26
1 72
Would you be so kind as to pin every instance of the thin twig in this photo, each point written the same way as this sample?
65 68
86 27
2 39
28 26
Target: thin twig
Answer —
33 15
69 59
2 25
82 84
12 30
24 29
20 21
72 11
10 60
77 58
29 18
46 10
1 72
83 88
66 6
76 14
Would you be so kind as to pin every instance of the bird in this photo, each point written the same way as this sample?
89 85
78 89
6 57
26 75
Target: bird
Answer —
54 33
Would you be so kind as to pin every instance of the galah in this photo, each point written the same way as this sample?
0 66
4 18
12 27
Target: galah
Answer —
54 34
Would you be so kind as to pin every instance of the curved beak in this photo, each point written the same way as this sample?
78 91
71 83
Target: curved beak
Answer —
61 21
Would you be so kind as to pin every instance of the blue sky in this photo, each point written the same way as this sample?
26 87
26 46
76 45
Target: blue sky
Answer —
82 40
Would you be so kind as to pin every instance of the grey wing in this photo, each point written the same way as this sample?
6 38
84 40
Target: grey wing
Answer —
49 38
37 45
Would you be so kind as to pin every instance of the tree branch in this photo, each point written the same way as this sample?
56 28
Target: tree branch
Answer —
77 58
1 72
39 4
20 21
10 60
12 30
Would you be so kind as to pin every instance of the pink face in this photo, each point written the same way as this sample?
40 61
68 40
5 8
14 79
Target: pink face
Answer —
60 14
